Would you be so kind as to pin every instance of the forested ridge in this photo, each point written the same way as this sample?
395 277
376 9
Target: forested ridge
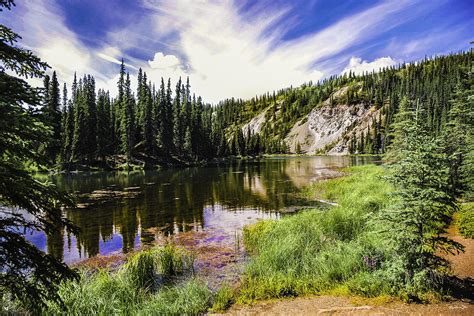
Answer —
168 124
429 83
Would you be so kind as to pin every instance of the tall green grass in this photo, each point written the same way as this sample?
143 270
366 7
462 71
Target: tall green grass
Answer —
142 286
318 250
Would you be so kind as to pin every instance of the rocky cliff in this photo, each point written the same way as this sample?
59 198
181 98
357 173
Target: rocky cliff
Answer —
326 129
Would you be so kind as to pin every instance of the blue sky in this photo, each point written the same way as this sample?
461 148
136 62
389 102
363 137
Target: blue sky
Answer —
237 48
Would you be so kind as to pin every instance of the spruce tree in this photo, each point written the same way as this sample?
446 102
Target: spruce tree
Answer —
52 116
148 136
177 120
127 121
424 208
79 134
29 275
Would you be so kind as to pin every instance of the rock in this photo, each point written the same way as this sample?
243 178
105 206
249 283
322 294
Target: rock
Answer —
255 124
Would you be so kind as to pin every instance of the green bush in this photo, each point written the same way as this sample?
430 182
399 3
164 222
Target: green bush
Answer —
466 220
368 284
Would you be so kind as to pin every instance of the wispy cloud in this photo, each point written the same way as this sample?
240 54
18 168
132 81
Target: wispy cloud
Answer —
226 51
229 53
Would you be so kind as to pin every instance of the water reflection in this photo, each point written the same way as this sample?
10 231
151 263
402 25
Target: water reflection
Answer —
224 197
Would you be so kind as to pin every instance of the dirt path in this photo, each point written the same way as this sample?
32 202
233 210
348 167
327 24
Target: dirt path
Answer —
330 305
462 265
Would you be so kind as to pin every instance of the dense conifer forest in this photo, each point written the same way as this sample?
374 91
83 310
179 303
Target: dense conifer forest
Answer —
168 124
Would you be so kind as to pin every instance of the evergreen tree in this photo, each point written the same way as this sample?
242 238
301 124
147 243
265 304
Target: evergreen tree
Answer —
28 274
187 146
418 220
77 146
103 124
167 124
90 110
148 136
162 133
458 137
52 116
127 121
177 120
67 127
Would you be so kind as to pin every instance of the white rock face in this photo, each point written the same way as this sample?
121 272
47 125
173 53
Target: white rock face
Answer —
325 128
255 124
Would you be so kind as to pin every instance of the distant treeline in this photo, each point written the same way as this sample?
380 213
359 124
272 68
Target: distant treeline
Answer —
155 125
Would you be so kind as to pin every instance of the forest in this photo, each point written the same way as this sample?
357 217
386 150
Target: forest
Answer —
384 233
154 126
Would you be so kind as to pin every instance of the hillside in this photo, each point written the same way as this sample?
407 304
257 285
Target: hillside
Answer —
344 114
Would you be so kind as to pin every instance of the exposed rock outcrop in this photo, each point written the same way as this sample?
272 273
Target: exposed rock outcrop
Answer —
324 128
255 124
327 128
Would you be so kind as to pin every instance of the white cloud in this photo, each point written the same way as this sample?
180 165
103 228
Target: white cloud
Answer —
162 61
230 54
114 60
226 53
359 66
42 27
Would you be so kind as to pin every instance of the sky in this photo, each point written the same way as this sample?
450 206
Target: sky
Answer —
236 48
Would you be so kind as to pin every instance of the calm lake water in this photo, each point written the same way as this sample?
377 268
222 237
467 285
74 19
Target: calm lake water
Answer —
121 211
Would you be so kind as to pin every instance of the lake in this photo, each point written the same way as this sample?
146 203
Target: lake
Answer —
118 211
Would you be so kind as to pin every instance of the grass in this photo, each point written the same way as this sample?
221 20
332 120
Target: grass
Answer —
341 250
319 251
223 299
144 285
466 220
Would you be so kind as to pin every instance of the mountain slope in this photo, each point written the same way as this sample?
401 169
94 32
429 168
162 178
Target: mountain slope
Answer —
348 113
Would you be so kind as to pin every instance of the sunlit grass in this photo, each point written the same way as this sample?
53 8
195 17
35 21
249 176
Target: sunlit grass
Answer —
223 298
143 285
318 250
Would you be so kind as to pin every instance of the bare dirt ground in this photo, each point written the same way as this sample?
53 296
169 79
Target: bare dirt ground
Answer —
331 305
463 268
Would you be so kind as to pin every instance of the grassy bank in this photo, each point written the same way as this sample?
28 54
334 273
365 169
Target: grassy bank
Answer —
341 250
157 281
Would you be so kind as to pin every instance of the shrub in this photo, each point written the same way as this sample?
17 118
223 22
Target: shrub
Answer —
466 220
